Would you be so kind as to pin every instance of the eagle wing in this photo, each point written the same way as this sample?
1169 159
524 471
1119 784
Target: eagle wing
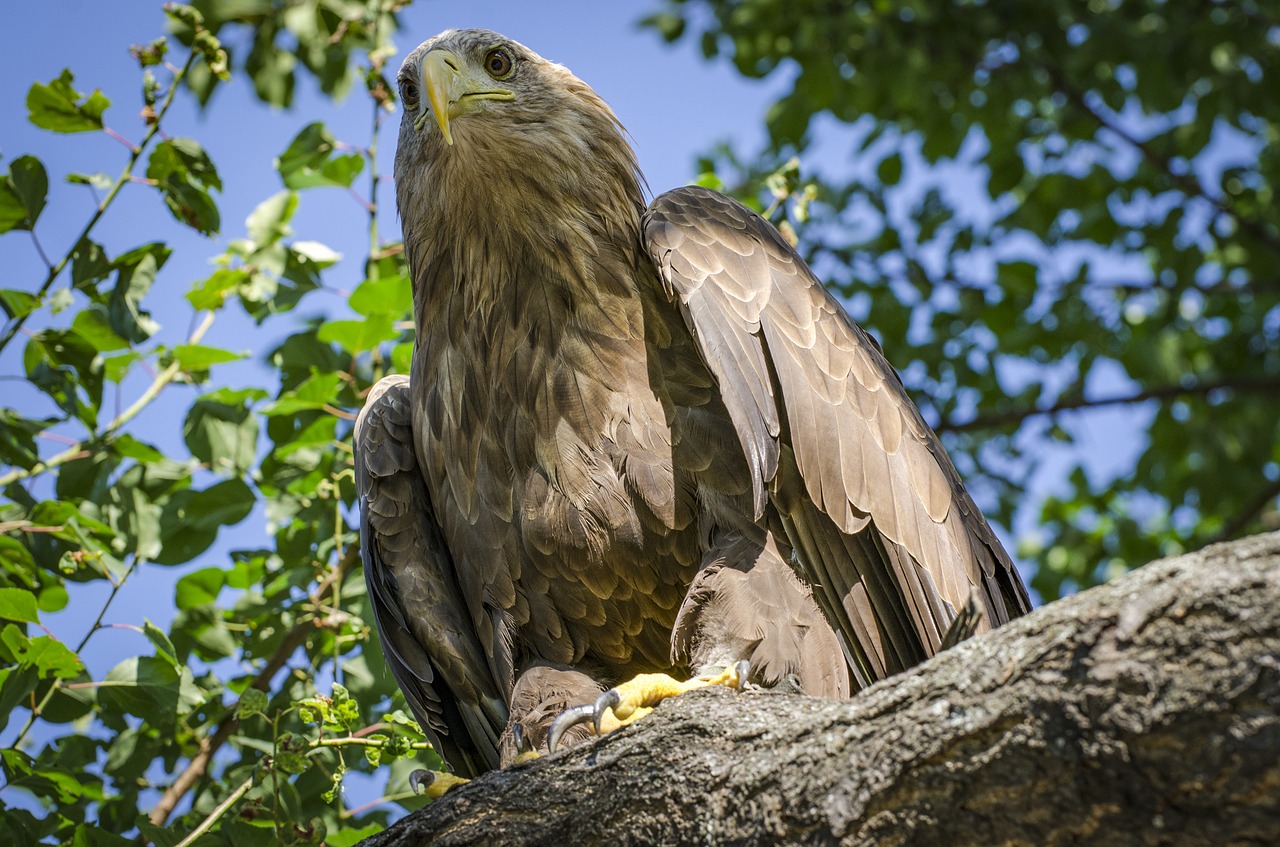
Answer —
881 525
426 633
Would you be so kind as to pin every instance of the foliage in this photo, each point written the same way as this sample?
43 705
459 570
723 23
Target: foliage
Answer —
1060 220
217 732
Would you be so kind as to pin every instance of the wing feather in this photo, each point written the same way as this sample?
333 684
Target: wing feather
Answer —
426 632
882 525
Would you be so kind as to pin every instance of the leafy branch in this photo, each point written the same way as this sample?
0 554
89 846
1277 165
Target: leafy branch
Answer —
162 379
126 176
1185 181
198 766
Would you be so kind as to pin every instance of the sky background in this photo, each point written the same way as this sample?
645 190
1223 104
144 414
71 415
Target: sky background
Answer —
675 105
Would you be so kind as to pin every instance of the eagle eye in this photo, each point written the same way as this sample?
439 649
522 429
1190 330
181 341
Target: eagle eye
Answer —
409 94
498 63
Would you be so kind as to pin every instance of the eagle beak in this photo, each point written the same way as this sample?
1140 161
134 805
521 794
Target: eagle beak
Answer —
454 87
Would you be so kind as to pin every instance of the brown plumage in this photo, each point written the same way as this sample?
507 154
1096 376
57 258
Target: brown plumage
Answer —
632 439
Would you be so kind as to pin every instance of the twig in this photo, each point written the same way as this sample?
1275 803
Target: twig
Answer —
1186 182
1162 392
1251 510
217 813
58 683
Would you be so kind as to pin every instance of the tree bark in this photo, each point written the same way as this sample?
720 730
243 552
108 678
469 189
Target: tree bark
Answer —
1143 712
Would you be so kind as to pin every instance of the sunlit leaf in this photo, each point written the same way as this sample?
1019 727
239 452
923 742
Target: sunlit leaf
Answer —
57 106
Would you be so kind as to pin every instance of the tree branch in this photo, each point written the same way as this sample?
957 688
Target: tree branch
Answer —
1142 712
1160 392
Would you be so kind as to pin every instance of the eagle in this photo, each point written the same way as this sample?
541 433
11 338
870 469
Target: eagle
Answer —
635 438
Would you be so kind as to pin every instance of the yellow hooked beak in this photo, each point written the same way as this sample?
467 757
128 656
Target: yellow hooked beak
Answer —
454 87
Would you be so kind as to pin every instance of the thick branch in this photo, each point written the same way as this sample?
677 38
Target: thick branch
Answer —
1142 712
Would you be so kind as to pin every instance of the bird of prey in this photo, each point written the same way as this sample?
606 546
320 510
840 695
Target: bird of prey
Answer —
634 438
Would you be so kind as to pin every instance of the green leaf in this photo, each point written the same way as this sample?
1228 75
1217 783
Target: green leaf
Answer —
131 448
44 653
349 836
18 447
135 273
312 160
191 519
100 181
65 366
158 835
199 357
59 107
269 221
16 685
94 325
17 304
23 193
223 436
53 598
145 687
291 753
13 213
18 604
387 296
210 293
185 174
164 647
317 256
199 588
88 835
316 393
889 171
252 702
356 337
89 265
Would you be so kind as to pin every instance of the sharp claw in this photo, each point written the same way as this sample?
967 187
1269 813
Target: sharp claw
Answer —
421 779
604 703
568 719
743 668
521 740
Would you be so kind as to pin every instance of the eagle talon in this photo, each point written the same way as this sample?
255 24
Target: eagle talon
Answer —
567 720
611 699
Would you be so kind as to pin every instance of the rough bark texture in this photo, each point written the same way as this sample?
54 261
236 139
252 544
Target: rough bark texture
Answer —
1143 712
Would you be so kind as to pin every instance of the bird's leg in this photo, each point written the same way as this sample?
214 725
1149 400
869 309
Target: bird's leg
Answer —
626 703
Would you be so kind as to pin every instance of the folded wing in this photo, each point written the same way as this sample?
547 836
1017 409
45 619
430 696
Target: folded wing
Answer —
426 633
882 525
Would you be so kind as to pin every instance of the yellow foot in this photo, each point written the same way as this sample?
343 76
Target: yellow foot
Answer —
434 783
636 698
